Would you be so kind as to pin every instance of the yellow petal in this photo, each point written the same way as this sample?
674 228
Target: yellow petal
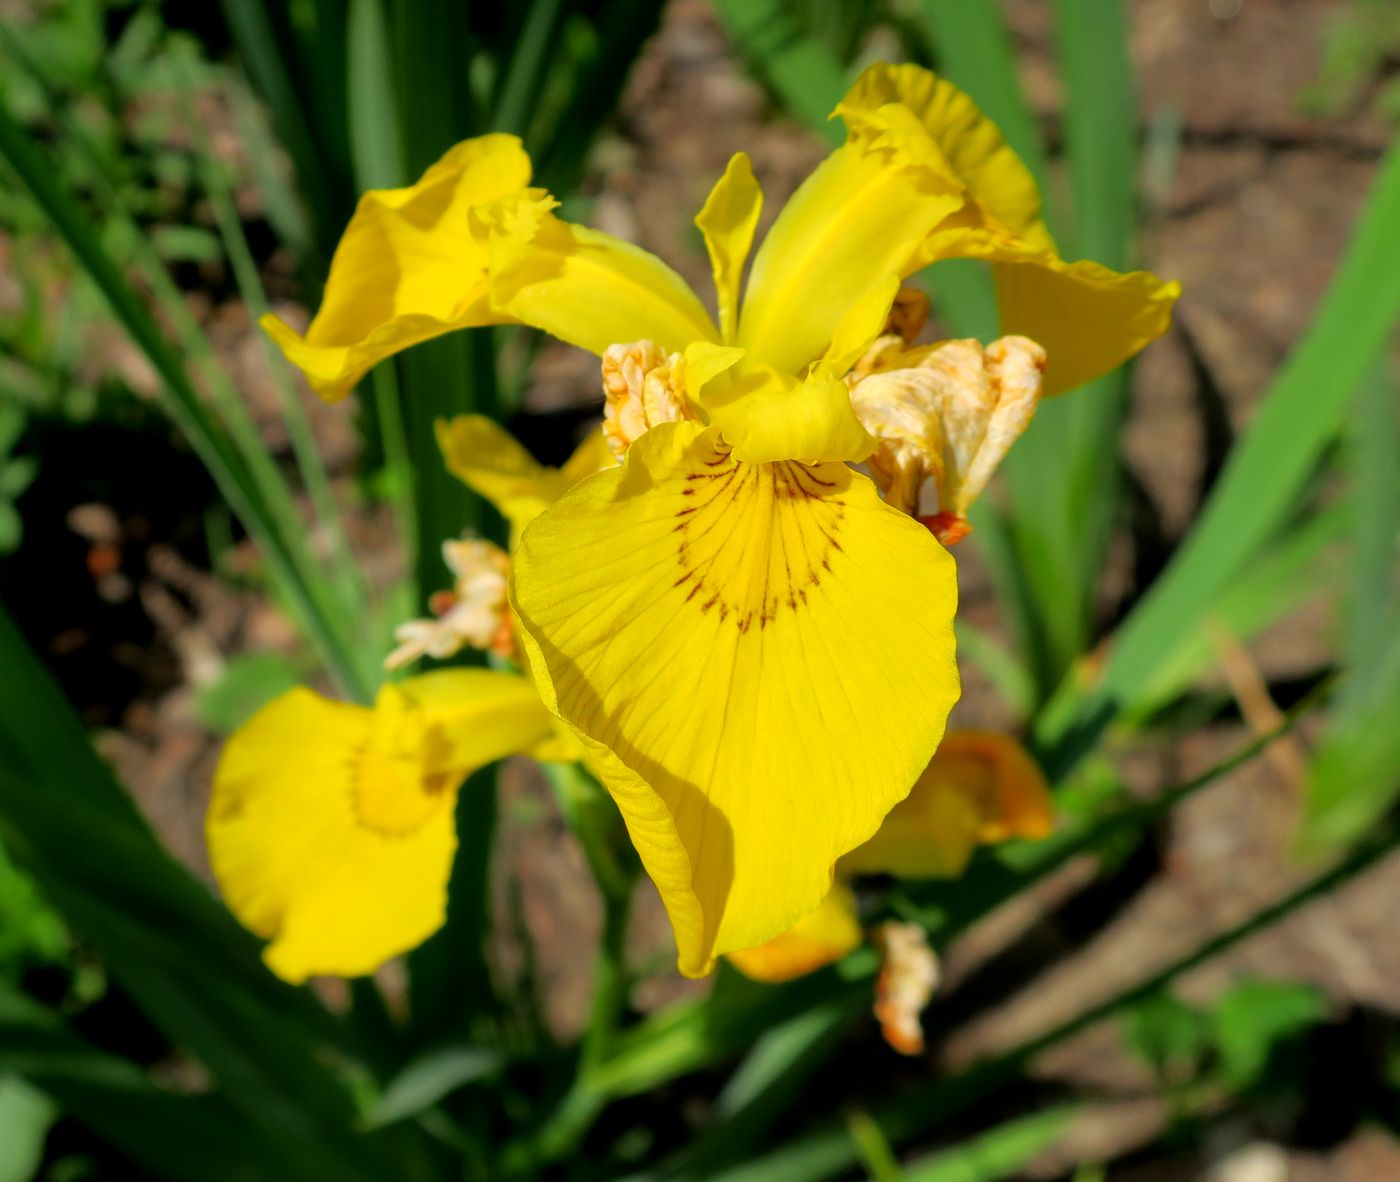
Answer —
1001 191
330 829
583 286
590 456
1019 804
728 220
979 787
858 327
408 267
863 214
491 461
818 939
1088 318
758 659
474 716
767 416
704 362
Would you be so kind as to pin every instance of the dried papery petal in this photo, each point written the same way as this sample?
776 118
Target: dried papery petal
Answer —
642 387
474 614
905 985
885 352
948 413
1015 366
894 408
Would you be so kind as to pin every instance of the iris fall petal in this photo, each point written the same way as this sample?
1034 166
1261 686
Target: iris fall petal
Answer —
759 658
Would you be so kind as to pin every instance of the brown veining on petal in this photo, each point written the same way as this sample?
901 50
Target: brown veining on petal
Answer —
754 540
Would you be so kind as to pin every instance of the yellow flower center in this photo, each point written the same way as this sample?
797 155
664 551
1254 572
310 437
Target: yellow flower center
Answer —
394 794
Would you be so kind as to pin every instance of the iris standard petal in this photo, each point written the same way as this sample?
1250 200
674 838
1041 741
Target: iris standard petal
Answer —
759 658
330 830
863 213
727 221
1088 318
1001 191
583 286
407 268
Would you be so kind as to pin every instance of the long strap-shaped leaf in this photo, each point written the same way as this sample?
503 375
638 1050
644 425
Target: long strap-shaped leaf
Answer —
165 939
831 1151
228 468
1300 415
200 1139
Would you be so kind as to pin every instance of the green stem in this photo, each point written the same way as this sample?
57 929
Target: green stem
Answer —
399 470
594 819
584 1100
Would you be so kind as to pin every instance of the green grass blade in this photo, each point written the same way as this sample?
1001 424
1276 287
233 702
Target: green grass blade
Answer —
346 579
1100 136
1299 417
278 538
763 1087
1373 614
1286 575
433 43
804 73
439 379
305 94
402 120
1063 476
181 1138
451 993
26 1115
520 81
373 102
998 1153
1354 777
831 1151
170 945
282 203
623 27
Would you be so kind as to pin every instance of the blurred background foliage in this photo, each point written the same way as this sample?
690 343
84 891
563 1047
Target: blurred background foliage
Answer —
174 512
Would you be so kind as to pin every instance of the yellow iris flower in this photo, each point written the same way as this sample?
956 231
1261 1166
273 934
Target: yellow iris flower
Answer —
980 787
331 825
754 649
